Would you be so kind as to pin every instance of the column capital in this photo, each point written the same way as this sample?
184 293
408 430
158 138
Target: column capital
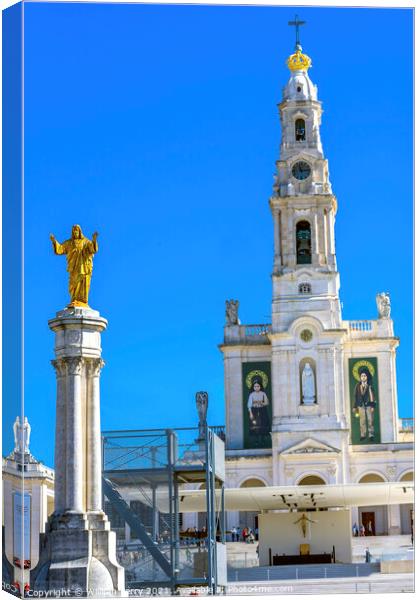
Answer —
75 365
94 366
60 367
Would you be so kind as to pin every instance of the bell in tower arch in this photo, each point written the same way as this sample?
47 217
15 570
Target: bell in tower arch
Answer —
303 243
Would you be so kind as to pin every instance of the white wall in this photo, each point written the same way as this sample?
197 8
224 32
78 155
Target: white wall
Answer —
279 532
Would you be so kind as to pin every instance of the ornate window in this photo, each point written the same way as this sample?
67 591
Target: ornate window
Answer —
305 288
300 130
303 243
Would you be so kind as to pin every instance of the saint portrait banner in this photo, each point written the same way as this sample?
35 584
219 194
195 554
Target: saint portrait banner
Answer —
256 390
364 401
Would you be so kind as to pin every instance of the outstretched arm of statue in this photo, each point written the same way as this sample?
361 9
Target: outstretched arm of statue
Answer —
57 247
95 242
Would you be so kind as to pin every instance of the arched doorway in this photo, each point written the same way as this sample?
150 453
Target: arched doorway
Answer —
407 510
373 518
249 518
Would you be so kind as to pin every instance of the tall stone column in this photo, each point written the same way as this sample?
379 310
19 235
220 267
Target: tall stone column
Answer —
74 443
78 549
94 454
60 436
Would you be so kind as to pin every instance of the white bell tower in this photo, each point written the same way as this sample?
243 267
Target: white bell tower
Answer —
305 277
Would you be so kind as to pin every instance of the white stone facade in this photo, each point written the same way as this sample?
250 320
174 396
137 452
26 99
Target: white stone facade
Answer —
307 326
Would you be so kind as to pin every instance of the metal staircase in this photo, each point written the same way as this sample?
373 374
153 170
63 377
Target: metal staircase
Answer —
136 525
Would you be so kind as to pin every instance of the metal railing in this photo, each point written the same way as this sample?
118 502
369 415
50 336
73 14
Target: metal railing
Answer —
329 571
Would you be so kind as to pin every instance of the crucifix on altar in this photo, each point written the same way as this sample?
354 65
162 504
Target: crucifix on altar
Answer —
305 523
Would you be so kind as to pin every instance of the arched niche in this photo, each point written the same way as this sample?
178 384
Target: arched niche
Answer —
301 368
312 480
407 476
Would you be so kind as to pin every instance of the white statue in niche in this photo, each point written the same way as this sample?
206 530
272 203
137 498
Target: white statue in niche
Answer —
308 385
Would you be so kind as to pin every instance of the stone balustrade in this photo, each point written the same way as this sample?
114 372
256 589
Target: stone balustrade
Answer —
219 430
370 328
406 425
406 430
247 334
361 325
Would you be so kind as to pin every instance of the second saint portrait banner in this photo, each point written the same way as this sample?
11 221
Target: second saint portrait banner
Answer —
364 401
256 389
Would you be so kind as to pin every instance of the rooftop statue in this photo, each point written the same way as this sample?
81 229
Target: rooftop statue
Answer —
22 432
232 307
79 251
383 302
202 402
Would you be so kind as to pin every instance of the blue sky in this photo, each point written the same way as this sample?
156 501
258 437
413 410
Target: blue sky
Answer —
158 127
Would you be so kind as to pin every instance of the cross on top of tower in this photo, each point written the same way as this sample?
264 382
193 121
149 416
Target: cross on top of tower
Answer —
298 61
297 24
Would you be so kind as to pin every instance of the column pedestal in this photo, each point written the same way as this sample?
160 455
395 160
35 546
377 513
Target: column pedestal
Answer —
78 550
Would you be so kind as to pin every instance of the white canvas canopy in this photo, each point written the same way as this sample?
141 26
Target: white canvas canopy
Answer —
303 497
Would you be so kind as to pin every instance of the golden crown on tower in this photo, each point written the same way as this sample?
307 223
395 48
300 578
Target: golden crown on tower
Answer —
299 61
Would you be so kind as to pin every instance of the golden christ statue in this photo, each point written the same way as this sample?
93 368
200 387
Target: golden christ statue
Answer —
79 251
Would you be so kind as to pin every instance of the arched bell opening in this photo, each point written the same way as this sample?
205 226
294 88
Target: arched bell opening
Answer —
300 130
303 243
